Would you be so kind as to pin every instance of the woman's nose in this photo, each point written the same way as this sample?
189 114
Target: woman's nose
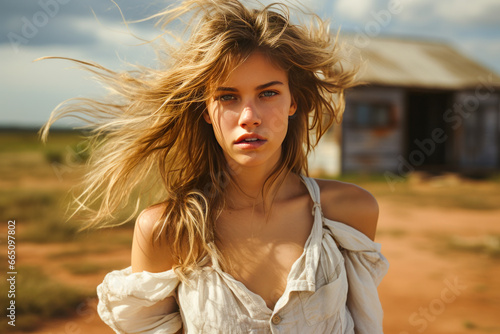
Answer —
249 117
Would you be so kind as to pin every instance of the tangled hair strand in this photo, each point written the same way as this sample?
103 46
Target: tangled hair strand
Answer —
150 127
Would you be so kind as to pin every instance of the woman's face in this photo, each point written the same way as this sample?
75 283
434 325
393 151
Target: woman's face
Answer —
249 112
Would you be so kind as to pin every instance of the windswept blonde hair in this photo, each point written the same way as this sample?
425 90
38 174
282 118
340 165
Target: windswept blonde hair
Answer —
151 129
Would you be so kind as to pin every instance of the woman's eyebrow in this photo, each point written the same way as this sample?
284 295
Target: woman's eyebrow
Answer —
269 84
226 89
263 86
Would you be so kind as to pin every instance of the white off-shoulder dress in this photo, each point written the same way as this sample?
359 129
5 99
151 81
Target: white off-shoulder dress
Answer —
330 289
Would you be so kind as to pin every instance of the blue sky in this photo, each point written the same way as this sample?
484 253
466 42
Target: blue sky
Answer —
69 28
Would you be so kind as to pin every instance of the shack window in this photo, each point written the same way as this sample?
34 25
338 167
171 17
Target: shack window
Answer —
374 115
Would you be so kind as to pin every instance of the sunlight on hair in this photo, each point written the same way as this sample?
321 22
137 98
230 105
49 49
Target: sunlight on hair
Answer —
150 127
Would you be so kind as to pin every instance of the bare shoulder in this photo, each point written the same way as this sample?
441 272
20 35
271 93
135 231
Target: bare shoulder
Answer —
147 253
147 219
349 204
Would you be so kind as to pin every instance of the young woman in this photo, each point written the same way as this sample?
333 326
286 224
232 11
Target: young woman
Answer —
241 241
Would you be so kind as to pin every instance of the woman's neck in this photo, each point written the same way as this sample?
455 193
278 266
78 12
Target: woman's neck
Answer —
247 192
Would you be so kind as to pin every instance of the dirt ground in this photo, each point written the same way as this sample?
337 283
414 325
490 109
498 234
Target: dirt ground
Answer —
441 279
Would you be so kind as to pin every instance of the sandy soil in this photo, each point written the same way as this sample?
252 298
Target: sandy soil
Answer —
430 287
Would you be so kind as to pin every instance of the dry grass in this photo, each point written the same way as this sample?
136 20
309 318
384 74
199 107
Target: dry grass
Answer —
487 244
34 185
39 297
446 191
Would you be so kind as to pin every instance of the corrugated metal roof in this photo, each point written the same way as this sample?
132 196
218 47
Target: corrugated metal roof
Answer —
422 64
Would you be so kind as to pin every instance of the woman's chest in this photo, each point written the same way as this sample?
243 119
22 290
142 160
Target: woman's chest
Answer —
259 253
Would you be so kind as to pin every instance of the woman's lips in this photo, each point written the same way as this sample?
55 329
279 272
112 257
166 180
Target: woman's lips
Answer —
250 141
246 145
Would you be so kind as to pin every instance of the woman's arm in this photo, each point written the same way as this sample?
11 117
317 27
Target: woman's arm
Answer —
151 256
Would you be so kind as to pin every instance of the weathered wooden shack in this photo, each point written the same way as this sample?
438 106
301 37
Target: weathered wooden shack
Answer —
425 107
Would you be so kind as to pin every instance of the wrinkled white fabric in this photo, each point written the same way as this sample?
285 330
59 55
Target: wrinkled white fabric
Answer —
330 289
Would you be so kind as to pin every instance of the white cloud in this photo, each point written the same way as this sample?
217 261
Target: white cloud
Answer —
356 10
464 11
311 5
30 90
452 11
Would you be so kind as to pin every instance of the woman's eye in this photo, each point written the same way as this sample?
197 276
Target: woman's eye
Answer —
268 93
225 98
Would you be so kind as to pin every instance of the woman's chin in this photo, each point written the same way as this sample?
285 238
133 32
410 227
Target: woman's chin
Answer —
253 161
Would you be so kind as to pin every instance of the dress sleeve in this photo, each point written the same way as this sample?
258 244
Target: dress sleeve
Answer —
132 302
365 267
